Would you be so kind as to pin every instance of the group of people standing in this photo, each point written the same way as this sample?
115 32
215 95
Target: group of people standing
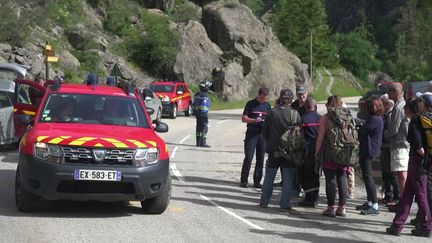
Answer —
392 130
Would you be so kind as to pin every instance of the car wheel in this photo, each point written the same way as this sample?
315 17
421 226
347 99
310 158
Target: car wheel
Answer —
173 114
188 112
24 200
159 204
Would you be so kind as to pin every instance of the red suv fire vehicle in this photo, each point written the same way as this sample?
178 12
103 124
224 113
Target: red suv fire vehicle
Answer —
175 96
92 142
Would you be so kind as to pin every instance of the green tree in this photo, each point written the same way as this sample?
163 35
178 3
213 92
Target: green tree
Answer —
294 23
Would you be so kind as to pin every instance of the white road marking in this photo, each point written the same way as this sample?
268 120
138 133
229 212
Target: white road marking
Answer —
184 139
233 214
177 173
174 152
223 121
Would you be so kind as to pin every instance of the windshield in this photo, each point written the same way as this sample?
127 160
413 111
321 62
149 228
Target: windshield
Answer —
93 109
161 88
8 75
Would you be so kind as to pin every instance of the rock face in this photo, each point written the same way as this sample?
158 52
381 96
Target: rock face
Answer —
252 56
198 56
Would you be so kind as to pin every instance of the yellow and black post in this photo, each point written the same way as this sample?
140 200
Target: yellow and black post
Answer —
49 57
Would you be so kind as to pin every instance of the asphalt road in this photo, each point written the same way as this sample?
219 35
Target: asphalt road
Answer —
207 204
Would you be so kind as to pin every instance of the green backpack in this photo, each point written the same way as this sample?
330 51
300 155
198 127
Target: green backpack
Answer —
342 137
292 142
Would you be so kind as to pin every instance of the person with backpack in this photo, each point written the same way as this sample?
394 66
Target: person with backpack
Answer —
308 178
334 153
416 184
396 134
201 106
370 135
279 120
254 115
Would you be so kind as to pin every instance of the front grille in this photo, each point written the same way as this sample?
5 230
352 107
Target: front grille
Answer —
96 187
84 155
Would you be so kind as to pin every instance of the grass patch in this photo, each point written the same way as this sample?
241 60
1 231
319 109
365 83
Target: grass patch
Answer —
219 104
319 93
342 87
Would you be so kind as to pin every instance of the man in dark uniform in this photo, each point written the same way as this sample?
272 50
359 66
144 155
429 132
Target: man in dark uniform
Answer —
254 115
201 106
299 103
307 176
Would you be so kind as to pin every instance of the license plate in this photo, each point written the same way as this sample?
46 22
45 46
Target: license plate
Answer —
97 175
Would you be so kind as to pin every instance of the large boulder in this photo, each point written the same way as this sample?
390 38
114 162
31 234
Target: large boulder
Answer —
198 56
253 56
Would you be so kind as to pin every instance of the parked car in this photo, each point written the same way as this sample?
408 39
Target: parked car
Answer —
418 86
153 101
92 142
10 130
175 96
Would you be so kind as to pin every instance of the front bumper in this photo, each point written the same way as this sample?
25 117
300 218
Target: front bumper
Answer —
56 181
167 109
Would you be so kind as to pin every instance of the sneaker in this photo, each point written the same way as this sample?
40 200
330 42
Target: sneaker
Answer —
308 204
329 212
393 231
363 206
244 184
257 185
262 205
341 212
370 210
421 232
350 196
288 209
413 222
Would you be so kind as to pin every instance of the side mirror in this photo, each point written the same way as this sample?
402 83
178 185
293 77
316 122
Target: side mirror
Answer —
161 127
179 92
150 111
148 98
25 119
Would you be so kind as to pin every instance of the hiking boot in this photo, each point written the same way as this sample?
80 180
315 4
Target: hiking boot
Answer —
278 184
421 232
329 212
364 206
308 204
393 231
288 209
370 210
341 212
205 146
413 222
257 185
244 184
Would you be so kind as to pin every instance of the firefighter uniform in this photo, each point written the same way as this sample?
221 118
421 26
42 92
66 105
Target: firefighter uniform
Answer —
254 141
201 107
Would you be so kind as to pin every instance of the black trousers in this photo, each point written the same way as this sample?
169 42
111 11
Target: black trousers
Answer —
201 125
390 186
429 188
254 142
331 176
309 180
366 169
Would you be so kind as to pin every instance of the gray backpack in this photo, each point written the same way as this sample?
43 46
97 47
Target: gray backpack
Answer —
292 142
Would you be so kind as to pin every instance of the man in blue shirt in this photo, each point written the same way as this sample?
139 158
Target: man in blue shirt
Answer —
254 115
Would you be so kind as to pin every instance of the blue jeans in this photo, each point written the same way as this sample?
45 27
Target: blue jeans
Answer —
267 188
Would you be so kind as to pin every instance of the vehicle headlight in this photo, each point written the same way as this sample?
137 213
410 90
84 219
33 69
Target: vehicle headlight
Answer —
146 156
48 152
165 99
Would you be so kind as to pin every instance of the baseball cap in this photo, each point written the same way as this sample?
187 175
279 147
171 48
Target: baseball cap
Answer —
426 96
286 94
301 89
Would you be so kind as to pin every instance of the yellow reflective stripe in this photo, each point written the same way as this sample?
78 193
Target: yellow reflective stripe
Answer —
30 113
15 109
40 138
98 145
115 142
152 143
58 139
137 143
81 141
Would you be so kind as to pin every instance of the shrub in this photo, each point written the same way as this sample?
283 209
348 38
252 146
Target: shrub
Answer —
65 12
117 19
183 11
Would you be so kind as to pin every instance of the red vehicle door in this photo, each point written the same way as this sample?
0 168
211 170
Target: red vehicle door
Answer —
28 96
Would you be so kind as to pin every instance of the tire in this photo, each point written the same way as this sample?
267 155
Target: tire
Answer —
173 114
159 204
188 112
24 200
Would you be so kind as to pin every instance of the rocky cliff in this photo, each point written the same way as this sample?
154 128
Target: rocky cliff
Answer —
227 44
